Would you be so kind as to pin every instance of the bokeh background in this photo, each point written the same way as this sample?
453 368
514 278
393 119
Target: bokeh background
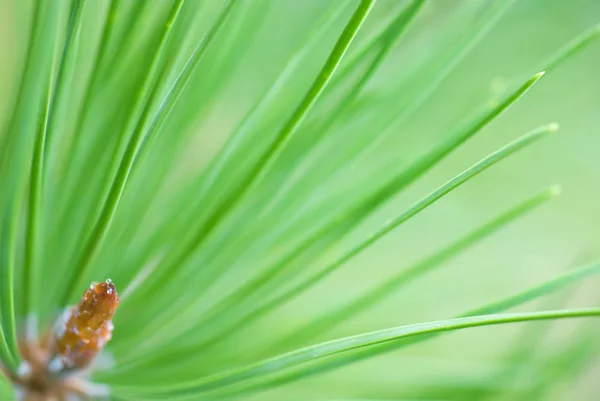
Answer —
560 235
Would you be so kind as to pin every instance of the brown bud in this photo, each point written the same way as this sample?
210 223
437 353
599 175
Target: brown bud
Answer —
88 327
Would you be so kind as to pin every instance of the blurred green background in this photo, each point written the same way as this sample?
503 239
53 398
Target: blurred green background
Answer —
545 243
562 234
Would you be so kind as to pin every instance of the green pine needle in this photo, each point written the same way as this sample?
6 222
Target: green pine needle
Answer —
343 345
